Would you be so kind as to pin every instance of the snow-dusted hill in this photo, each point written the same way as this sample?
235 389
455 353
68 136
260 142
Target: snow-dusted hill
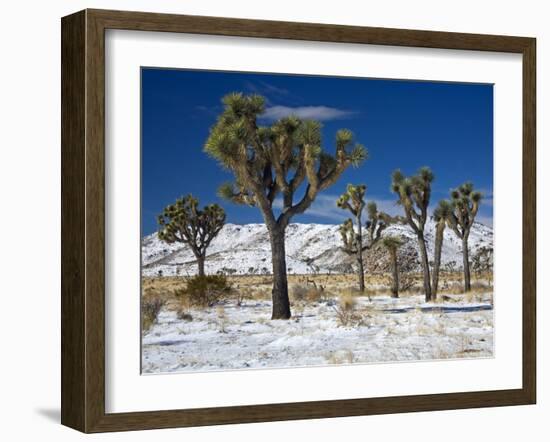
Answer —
245 249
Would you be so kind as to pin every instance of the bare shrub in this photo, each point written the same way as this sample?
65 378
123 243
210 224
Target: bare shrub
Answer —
346 312
407 281
150 310
242 294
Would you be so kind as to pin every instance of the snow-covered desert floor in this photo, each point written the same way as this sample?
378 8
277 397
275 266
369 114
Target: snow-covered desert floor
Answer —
228 336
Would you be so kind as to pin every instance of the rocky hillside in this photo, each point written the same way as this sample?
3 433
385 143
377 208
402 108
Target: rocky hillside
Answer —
311 248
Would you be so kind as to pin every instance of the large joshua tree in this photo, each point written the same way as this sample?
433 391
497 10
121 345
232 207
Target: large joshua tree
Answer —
392 244
276 160
351 230
441 215
413 195
184 222
465 205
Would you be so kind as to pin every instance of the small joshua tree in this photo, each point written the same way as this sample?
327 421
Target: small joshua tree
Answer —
441 215
352 232
392 244
482 262
413 195
464 207
184 222
276 160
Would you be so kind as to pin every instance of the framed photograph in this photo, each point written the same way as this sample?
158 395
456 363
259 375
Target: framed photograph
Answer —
268 221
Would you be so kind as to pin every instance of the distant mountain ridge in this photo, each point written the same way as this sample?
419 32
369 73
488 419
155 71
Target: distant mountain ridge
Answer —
310 248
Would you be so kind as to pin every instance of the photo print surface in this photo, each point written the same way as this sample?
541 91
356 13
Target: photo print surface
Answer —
296 220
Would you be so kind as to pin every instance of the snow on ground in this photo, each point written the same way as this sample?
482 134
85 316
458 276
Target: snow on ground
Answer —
232 337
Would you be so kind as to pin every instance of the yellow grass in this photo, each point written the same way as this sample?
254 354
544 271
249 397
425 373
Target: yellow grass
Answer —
307 289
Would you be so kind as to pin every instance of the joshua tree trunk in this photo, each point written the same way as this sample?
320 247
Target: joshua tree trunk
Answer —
466 263
425 267
395 274
360 267
279 295
437 259
200 262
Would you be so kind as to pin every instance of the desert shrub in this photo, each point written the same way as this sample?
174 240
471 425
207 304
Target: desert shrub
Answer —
184 315
150 310
298 293
205 291
315 294
241 294
346 311
307 294
406 282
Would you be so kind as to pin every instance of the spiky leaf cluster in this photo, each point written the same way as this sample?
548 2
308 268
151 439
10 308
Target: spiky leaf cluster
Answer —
377 222
442 211
464 206
268 161
392 243
353 199
184 222
413 193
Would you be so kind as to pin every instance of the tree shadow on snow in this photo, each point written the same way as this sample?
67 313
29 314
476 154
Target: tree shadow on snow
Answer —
443 309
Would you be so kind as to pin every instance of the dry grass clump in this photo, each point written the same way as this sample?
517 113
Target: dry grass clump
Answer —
222 320
150 310
151 293
242 294
341 357
205 291
457 287
307 294
346 311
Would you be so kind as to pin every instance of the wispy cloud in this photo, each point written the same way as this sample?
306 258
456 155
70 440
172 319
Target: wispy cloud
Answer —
325 207
272 89
265 88
321 113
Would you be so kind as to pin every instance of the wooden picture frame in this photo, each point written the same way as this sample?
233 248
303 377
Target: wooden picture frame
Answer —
83 220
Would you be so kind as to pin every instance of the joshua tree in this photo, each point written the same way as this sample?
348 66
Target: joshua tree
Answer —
482 262
354 243
464 206
413 194
441 215
184 222
352 233
392 244
353 201
268 161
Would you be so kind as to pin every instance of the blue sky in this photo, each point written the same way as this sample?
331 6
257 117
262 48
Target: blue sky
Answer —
404 124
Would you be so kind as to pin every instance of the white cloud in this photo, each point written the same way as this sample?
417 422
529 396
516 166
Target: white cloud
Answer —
321 113
325 207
